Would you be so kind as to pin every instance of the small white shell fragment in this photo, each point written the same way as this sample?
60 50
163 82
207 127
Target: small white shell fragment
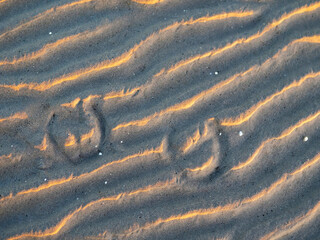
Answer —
240 133
305 139
216 72
50 33
121 141
100 153
106 182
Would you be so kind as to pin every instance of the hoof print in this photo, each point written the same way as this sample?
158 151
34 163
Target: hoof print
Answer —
77 131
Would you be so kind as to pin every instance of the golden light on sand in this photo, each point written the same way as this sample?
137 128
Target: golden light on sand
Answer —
18 116
159 119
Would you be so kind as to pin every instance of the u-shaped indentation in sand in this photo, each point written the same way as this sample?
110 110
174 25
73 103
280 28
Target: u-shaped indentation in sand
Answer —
68 140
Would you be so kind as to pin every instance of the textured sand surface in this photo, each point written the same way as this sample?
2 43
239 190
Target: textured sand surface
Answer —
159 119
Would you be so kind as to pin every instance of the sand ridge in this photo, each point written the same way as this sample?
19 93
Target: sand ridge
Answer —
159 119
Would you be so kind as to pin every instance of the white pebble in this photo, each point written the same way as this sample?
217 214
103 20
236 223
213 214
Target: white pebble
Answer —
45 179
100 153
121 141
305 139
50 33
240 133
210 73
106 182
220 133
216 73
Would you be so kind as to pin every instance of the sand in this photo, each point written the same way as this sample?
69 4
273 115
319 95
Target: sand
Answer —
159 119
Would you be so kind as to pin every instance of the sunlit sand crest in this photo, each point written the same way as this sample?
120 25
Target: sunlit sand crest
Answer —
228 207
57 182
124 58
244 117
284 134
57 228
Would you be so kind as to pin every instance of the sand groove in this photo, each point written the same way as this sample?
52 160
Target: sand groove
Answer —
159 119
